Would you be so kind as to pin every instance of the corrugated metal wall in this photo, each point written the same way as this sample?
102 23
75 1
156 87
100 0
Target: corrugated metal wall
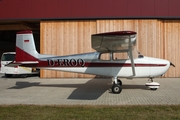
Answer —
155 38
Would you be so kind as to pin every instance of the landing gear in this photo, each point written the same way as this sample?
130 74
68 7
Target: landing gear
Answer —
152 85
117 86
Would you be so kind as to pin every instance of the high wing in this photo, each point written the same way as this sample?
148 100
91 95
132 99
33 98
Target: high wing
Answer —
119 41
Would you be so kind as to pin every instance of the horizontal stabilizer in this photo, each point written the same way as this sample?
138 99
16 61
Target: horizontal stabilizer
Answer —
14 63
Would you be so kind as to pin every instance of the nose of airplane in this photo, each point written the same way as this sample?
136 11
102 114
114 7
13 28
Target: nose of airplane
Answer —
165 66
163 61
168 63
161 68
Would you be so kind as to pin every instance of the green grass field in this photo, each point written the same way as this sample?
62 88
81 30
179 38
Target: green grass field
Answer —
32 112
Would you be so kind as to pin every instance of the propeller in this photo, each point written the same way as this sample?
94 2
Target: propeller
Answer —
172 64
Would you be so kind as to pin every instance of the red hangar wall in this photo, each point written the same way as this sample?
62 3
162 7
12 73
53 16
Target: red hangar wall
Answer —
88 9
66 26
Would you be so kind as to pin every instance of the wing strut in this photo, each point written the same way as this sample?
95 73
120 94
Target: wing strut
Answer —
131 57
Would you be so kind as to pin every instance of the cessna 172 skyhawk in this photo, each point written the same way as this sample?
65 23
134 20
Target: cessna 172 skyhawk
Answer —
109 43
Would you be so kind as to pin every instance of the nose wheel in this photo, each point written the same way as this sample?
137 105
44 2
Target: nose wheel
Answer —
117 86
152 85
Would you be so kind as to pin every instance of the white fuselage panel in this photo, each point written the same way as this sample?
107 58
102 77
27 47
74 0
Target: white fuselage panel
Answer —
144 67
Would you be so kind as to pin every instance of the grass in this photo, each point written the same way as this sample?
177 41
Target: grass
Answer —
33 112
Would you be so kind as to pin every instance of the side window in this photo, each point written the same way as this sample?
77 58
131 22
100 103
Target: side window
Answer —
8 57
120 56
105 56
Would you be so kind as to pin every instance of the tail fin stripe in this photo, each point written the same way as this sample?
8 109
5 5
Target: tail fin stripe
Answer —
26 40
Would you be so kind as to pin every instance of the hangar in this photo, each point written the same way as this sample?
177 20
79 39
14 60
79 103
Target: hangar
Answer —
64 27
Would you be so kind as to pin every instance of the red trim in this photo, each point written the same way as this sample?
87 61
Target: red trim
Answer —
23 56
25 32
95 64
26 40
116 33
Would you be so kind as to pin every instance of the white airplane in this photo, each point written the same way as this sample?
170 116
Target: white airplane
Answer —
110 43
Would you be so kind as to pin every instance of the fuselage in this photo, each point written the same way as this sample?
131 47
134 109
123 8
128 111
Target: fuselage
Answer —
90 63
115 65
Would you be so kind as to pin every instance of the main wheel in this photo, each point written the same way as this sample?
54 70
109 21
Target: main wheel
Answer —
116 89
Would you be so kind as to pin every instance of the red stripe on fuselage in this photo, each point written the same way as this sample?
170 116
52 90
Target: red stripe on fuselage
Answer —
95 64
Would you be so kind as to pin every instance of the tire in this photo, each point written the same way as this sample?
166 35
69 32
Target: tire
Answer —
8 75
154 89
116 89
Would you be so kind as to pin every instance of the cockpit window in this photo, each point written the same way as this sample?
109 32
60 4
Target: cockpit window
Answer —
105 56
120 55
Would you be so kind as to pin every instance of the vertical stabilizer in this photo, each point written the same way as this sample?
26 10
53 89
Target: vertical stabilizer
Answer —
25 46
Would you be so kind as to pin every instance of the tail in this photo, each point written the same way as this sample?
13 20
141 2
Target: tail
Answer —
25 47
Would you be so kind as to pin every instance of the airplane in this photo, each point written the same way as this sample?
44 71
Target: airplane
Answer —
108 44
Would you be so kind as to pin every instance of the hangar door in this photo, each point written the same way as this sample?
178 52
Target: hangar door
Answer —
63 38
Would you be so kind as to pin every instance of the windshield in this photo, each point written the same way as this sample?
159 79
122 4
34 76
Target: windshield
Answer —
8 57
136 54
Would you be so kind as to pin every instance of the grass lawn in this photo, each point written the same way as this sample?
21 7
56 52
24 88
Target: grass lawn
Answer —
33 112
